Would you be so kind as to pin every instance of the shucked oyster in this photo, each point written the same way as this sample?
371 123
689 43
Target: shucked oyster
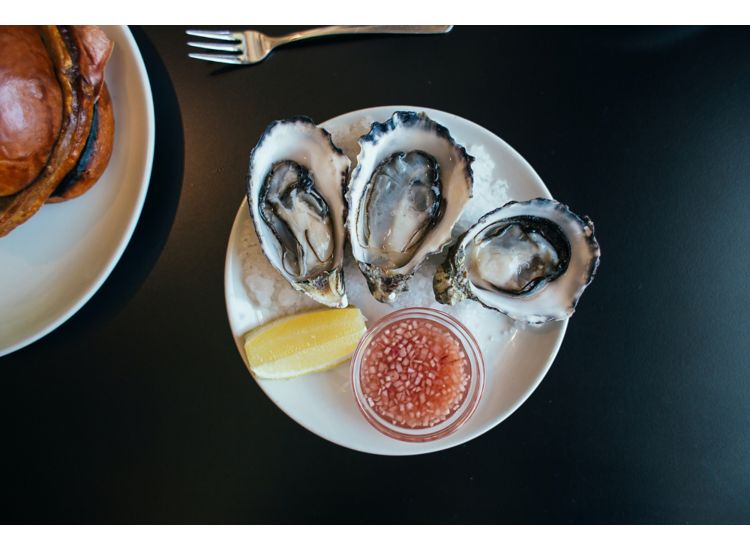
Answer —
530 260
295 190
406 193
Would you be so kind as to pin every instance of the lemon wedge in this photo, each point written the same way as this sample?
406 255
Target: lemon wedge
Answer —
304 343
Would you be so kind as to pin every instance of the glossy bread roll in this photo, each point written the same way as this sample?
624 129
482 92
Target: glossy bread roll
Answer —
30 107
79 67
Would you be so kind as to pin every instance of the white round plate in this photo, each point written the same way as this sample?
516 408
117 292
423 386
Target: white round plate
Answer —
517 356
57 260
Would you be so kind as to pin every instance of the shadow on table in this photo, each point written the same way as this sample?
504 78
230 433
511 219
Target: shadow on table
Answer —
159 209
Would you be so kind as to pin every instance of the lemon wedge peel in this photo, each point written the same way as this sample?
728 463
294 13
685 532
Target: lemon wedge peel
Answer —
304 343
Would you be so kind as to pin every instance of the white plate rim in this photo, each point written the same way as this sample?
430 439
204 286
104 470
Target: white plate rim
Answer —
117 252
415 450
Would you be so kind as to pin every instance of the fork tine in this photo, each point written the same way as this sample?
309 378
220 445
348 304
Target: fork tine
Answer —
216 46
216 35
231 59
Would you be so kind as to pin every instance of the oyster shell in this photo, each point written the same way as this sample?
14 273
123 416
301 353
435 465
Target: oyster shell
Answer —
295 191
406 193
530 260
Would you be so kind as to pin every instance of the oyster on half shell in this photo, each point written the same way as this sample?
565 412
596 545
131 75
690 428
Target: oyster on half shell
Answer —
406 193
530 260
295 191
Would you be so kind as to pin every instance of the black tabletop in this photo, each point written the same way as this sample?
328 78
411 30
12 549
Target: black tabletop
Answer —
139 408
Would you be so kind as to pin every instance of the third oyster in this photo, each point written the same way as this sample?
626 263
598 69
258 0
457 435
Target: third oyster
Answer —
530 260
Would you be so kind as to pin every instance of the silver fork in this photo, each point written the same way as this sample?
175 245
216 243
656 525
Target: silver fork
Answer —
248 47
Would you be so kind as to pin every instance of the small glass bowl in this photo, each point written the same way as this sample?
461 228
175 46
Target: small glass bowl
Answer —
473 393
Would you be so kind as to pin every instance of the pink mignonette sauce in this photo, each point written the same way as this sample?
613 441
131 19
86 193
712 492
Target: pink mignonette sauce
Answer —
415 371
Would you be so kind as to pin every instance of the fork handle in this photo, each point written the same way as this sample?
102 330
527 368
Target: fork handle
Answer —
362 29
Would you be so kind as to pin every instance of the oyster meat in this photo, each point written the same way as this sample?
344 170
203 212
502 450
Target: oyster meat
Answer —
295 191
406 193
530 260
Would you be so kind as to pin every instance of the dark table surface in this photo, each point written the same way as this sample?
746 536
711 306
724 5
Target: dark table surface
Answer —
139 408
